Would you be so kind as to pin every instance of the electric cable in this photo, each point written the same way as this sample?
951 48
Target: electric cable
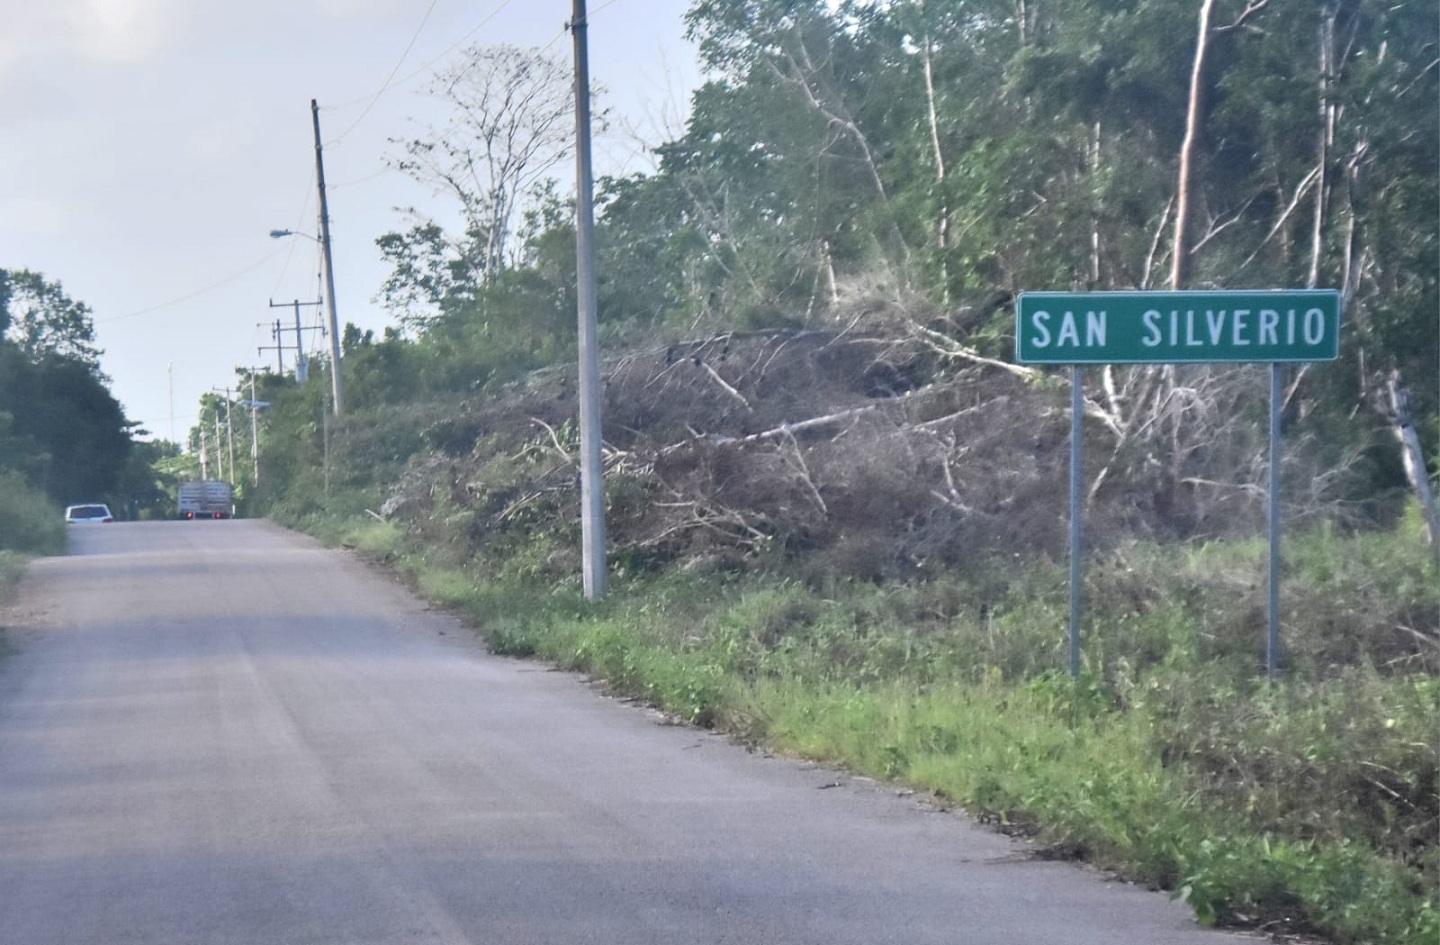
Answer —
198 292
392 82
385 86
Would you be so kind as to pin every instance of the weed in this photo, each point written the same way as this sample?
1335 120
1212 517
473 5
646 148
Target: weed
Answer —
29 522
1309 803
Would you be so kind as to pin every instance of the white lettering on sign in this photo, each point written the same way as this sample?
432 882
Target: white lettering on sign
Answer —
1190 340
1151 320
1269 321
1237 328
1041 323
1095 329
1209 328
1069 332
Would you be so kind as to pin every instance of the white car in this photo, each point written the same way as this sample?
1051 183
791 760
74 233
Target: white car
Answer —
92 513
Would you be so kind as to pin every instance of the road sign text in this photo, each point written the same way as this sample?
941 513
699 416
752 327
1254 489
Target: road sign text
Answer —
1161 327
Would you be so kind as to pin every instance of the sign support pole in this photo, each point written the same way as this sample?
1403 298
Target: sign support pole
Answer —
1077 410
1261 326
1272 639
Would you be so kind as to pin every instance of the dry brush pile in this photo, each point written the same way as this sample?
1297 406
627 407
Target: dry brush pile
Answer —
871 448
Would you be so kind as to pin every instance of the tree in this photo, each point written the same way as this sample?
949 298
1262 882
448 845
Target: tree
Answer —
69 435
59 424
508 125
43 321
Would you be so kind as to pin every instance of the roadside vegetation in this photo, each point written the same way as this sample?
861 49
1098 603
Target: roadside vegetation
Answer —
835 506
1304 805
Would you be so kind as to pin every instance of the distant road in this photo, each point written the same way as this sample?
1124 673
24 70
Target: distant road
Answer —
218 732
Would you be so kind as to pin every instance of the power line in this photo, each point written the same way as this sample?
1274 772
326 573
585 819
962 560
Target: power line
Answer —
361 180
198 292
385 86
392 82
297 225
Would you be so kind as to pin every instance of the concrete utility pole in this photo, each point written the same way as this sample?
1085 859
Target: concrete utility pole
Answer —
278 347
254 433
219 456
229 430
592 469
337 385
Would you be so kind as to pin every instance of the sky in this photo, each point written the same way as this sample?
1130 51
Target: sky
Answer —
148 147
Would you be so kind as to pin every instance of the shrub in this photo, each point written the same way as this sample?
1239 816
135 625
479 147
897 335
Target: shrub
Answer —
28 521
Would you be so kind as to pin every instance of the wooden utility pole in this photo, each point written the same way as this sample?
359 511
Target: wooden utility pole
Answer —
592 470
337 385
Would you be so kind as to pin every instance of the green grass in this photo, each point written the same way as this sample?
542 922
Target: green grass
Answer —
29 522
12 567
1306 804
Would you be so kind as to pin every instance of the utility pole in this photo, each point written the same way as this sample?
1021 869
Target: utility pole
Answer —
219 457
325 435
204 456
338 386
592 468
301 366
278 347
229 430
254 433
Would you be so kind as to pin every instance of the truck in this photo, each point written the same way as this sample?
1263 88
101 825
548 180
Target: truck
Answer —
206 498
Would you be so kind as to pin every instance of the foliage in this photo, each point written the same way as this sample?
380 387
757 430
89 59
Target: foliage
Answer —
508 125
832 502
29 522
1309 804
44 322
60 427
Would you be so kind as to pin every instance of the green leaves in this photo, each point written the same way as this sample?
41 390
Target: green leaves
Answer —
43 321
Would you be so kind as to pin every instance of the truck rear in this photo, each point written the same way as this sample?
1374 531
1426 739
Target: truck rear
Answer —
206 498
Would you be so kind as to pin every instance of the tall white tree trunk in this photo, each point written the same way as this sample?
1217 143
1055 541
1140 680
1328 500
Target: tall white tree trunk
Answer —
1189 152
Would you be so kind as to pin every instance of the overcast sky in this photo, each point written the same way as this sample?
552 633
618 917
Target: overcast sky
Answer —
147 147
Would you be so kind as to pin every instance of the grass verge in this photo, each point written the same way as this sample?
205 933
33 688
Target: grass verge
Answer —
12 567
1308 804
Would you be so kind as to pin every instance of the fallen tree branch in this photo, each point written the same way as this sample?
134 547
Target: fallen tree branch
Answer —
950 348
555 439
715 376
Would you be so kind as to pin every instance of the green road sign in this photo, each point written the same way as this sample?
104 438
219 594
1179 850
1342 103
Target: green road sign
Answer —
1169 327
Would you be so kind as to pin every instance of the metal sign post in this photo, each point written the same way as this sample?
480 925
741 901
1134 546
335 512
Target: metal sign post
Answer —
1272 636
1274 326
1077 411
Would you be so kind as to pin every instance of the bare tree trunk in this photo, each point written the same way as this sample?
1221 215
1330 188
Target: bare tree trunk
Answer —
1326 142
1094 222
1414 458
1189 152
942 227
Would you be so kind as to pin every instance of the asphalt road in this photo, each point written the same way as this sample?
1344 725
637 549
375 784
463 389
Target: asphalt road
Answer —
218 732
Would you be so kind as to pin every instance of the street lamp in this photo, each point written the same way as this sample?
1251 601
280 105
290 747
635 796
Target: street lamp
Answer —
337 384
